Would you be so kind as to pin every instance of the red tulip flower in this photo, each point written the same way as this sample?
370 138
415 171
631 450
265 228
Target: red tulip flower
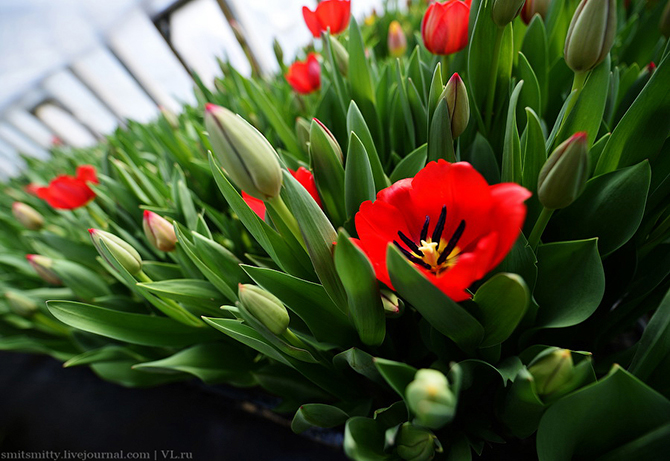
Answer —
333 14
69 192
305 76
446 220
303 176
445 26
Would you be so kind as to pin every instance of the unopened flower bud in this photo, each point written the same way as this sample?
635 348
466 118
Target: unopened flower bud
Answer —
430 398
393 306
564 174
43 267
533 7
28 217
265 307
20 304
159 231
664 25
169 117
278 51
591 34
322 142
504 11
125 255
397 40
416 443
244 153
341 56
552 372
458 104
302 127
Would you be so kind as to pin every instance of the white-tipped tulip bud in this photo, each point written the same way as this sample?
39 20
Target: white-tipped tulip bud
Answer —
265 307
27 216
125 255
244 153
159 231
416 443
564 174
43 267
430 398
458 104
341 56
393 306
591 34
397 40
552 372
504 11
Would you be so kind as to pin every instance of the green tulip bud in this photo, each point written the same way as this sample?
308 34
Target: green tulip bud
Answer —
393 306
244 153
458 104
430 398
126 255
265 307
20 304
43 267
564 174
591 34
278 51
416 443
552 372
664 25
397 40
504 11
27 216
302 127
341 56
322 143
159 231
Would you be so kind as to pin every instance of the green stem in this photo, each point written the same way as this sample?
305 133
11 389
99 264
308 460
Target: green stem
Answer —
577 85
539 227
142 277
93 210
285 215
445 68
493 77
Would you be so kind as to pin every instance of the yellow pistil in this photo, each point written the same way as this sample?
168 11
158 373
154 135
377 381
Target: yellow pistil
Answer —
431 254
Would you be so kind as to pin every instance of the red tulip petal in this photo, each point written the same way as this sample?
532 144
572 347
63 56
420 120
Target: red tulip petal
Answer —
333 14
87 173
256 205
312 21
306 179
509 212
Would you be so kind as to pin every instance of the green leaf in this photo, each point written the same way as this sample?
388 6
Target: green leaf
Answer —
521 408
643 130
359 70
654 346
502 302
364 440
482 157
570 282
533 150
610 208
121 372
534 47
404 103
132 328
397 374
530 97
438 309
440 142
357 124
359 183
185 290
601 417
360 282
511 159
359 361
317 415
410 165
326 160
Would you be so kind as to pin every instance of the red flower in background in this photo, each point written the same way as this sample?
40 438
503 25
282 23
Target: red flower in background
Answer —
333 14
305 76
303 176
447 220
445 26
69 192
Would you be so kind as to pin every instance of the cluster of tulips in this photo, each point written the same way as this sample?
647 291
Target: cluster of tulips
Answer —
446 234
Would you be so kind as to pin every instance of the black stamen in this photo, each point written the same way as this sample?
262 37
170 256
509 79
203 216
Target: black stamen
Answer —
424 230
452 243
439 227
411 257
410 244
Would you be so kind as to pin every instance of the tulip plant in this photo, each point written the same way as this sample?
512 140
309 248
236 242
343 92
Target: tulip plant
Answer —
445 233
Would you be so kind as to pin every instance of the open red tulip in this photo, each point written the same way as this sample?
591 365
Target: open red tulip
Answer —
302 175
305 76
69 192
447 220
333 14
445 26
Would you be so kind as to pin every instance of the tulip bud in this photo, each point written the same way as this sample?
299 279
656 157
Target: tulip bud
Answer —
302 127
533 7
430 398
159 231
125 254
244 153
664 25
265 307
564 174
322 142
20 304
416 443
278 51
504 11
397 40
458 104
28 217
43 267
393 306
552 372
341 56
169 117
591 34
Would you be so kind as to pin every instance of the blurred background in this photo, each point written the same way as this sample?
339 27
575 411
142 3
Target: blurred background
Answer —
72 71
